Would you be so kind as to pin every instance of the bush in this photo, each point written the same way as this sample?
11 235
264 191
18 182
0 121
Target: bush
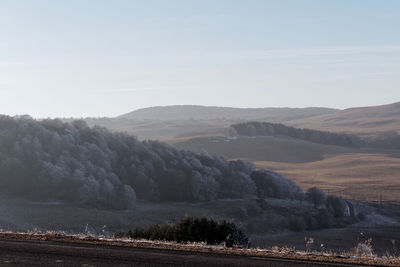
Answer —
191 229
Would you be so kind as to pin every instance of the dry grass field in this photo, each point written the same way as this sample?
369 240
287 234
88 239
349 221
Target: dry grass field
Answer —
361 176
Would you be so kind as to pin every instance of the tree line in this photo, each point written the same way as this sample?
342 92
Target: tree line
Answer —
386 140
315 136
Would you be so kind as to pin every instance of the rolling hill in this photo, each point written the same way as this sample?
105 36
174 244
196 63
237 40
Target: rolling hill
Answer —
176 121
167 122
362 120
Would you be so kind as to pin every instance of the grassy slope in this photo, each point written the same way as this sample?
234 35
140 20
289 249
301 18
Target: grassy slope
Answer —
363 120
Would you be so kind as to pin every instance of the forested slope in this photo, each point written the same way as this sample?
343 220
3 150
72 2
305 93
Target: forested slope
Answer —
50 160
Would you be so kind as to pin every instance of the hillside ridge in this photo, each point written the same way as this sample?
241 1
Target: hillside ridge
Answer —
179 112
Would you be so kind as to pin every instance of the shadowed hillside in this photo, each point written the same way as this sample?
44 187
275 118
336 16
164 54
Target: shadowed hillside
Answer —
263 148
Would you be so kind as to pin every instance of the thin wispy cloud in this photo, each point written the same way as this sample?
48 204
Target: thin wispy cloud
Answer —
137 89
321 51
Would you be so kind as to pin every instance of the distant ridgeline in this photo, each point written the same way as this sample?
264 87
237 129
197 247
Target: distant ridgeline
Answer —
252 129
50 160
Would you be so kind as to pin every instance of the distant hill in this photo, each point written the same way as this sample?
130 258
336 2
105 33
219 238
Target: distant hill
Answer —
362 120
169 122
187 112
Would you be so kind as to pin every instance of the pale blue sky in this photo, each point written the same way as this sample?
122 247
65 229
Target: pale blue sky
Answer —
104 58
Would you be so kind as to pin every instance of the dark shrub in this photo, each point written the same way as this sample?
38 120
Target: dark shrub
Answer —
191 229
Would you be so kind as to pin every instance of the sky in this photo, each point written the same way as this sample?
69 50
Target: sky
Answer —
94 58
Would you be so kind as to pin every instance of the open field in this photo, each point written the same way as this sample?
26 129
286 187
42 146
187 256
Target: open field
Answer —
361 176
266 148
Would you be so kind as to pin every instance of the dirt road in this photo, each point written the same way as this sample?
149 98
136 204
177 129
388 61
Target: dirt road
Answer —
53 253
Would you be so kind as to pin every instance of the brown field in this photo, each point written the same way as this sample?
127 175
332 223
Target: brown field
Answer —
360 176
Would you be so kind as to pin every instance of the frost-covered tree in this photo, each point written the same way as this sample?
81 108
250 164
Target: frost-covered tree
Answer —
51 160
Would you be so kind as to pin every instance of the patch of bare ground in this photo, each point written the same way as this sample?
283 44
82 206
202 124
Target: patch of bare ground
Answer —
359 176
361 258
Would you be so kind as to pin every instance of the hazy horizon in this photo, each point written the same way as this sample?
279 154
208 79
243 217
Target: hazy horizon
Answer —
206 106
103 58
